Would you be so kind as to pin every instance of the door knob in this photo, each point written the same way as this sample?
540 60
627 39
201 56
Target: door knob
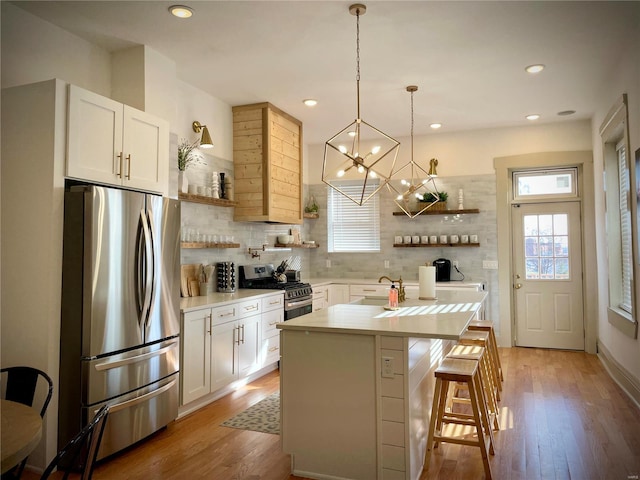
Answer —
517 286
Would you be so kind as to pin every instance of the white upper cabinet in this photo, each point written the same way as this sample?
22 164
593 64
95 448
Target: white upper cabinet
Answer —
112 143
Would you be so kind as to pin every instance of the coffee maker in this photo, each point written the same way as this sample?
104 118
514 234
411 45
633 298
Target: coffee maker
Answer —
443 269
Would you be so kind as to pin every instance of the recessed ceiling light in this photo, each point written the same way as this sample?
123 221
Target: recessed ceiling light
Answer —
435 126
533 116
310 102
565 113
537 68
181 11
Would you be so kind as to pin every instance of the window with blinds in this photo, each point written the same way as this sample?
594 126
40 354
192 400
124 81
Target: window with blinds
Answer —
350 227
625 227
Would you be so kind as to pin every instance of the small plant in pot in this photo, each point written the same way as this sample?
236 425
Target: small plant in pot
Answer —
440 198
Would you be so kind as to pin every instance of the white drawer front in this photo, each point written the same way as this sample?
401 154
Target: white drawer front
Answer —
272 349
249 307
224 314
370 290
269 322
273 303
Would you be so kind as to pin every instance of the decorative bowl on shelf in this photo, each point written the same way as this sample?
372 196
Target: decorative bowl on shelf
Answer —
285 239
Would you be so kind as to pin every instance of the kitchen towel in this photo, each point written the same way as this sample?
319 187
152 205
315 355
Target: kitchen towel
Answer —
427 280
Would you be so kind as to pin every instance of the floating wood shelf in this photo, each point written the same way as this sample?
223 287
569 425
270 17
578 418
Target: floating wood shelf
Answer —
311 215
208 245
296 245
220 202
441 212
409 245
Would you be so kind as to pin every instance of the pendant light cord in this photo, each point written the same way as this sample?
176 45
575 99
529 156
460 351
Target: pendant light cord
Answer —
358 59
412 131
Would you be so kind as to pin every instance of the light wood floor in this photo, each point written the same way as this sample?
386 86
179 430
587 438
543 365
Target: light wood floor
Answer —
562 418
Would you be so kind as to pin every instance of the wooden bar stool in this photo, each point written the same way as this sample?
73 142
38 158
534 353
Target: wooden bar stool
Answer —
443 424
478 354
477 337
487 326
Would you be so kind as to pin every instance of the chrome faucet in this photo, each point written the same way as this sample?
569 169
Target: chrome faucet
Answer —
401 296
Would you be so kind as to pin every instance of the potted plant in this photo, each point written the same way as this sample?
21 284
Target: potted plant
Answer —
187 156
440 198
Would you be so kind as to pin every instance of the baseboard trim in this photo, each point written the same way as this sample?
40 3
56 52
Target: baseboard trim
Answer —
625 380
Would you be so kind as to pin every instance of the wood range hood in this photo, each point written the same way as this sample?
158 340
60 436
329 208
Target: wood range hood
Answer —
267 162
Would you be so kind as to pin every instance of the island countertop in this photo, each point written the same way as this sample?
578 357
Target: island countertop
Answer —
446 317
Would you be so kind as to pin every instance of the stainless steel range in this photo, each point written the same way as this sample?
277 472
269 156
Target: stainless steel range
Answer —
298 296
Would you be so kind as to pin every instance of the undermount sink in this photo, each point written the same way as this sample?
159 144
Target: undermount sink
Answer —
381 301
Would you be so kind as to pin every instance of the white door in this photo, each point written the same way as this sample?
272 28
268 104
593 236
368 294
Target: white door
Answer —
547 260
146 149
196 363
94 137
224 351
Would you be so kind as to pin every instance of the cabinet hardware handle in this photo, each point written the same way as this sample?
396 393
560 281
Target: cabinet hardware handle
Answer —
210 320
119 174
276 302
273 349
128 177
234 335
242 326
225 314
368 290
251 307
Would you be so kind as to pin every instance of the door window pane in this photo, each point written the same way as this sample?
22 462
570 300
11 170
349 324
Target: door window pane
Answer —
546 247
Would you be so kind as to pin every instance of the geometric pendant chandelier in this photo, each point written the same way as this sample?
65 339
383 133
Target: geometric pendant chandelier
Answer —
359 159
415 183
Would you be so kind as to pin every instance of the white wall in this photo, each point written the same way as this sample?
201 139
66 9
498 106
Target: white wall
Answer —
625 79
34 50
472 152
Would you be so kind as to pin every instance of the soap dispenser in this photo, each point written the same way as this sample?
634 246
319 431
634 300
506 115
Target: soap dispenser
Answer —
393 296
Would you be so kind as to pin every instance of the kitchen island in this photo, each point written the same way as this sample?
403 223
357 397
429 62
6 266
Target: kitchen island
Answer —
357 384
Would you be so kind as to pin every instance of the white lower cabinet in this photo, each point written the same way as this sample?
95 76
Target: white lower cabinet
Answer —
195 371
320 297
272 314
227 343
338 294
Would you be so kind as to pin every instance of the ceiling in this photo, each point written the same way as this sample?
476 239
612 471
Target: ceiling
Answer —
467 58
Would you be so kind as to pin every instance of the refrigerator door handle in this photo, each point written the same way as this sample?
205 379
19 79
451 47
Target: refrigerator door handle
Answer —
152 261
137 358
145 269
139 283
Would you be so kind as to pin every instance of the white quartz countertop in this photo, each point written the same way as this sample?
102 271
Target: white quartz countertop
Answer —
217 299
446 317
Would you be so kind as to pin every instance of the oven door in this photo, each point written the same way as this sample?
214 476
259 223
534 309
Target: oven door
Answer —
298 307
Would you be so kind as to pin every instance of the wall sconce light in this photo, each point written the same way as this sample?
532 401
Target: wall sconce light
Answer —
433 163
205 141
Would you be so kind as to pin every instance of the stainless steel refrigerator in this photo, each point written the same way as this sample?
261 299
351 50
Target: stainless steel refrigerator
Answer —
120 323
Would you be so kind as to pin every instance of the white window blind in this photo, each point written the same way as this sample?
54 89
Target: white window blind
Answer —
353 228
625 227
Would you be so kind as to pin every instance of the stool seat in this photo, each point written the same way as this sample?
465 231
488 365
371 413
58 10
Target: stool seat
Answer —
465 371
